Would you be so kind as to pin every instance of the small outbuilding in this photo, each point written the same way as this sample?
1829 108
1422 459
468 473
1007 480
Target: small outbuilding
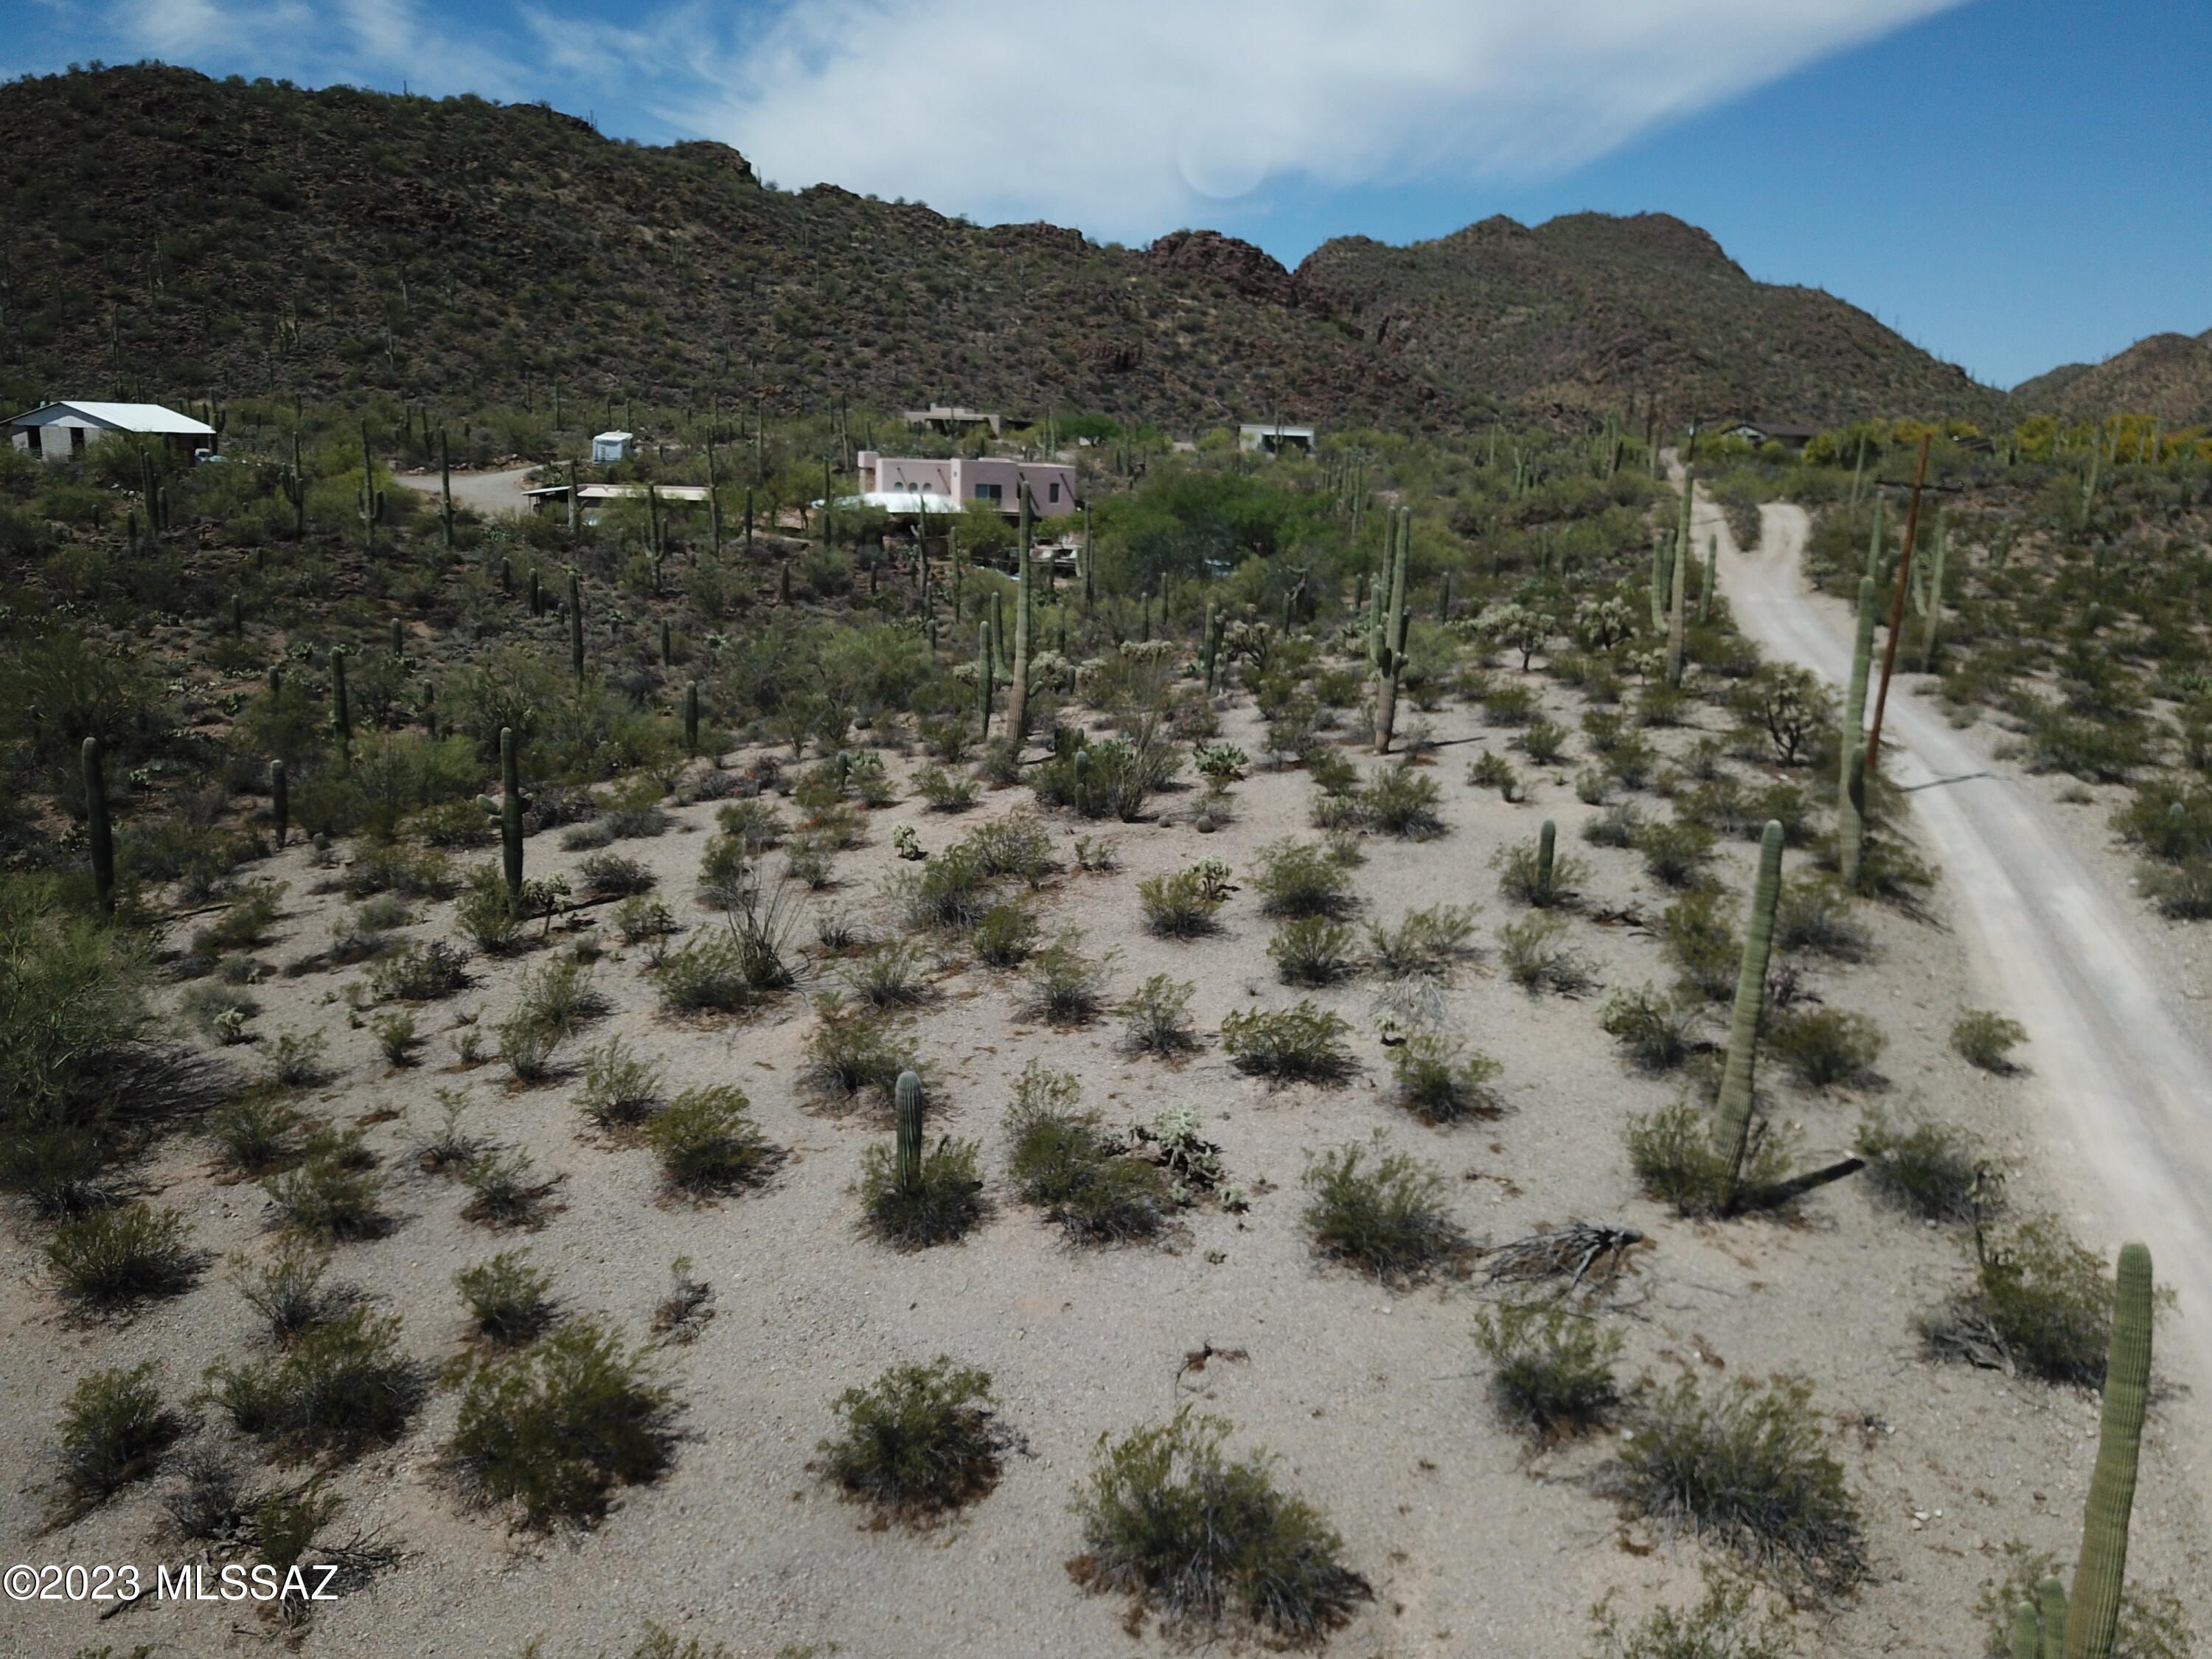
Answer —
54 432
612 446
1273 438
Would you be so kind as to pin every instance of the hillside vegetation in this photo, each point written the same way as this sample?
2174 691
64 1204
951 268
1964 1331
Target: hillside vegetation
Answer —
230 240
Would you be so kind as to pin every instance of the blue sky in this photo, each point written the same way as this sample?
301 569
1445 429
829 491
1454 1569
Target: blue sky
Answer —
2013 184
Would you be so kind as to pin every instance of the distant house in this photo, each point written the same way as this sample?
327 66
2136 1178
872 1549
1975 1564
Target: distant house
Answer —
1272 437
54 432
612 446
592 499
901 484
1774 432
948 421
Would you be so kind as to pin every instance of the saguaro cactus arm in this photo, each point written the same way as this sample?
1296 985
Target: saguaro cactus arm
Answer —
2093 1614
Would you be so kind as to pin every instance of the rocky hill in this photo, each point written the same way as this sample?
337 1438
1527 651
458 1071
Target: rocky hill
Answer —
170 234
2168 375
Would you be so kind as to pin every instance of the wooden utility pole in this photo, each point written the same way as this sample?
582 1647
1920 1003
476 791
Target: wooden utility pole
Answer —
1897 609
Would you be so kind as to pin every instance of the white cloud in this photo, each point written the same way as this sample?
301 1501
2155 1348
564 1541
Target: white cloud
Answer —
372 42
1127 119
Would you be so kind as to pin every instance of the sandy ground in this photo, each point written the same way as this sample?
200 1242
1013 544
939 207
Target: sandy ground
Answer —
2123 1079
1373 1402
487 493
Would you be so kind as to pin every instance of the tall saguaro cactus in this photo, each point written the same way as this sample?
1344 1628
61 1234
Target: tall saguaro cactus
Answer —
1851 784
341 705
1548 840
100 831
906 1095
1705 589
445 490
280 800
2092 1613
691 717
576 627
983 678
1018 684
1678 610
1397 619
1206 649
1934 617
371 498
1732 1112
510 814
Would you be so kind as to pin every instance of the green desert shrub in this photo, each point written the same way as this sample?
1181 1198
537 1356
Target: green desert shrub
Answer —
1156 1017
1746 1467
892 976
1928 1169
1518 876
707 1142
1065 987
1184 905
1620 825
1383 1213
1312 950
2153 1621
707 974
1551 1367
614 875
341 1386
254 1132
1303 1043
952 890
946 792
1986 1039
919 1442
1006 936
289 1292
1208 1543
1823 1046
1544 741
1814 918
552 1428
943 1203
329 1199
1676 854
2040 1302
1537 957
853 1052
126 1254
620 1085
1297 879
1439 1080
1423 943
426 972
509 1301
1726 1623
1657 1033
1064 1163
502 1192
1401 802
1701 941
114 1429
1671 1153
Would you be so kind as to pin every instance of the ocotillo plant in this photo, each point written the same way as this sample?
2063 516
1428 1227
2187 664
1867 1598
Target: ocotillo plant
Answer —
983 675
1851 819
691 717
2092 1613
907 1095
1397 620
100 832
510 814
1732 1111
341 706
1018 685
576 627
280 799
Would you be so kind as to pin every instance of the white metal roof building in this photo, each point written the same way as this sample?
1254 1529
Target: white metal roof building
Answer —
54 432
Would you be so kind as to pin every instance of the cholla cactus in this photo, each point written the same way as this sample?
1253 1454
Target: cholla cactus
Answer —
1601 624
906 842
1390 1030
1212 876
1517 628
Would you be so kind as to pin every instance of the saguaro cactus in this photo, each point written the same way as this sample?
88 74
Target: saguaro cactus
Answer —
1018 685
341 705
1206 649
1546 843
907 1095
1732 1112
1397 619
371 498
2092 1613
576 627
691 717
510 814
668 644
1934 614
1851 783
100 832
983 687
280 799
1678 602
445 490
1705 589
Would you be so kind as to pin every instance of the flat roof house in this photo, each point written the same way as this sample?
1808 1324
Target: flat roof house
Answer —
1275 437
950 420
54 432
887 481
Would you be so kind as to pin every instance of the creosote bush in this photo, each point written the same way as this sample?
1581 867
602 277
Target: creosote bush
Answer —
341 1386
1006 936
1401 802
707 1141
1551 1367
116 1257
1424 944
852 1052
1297 879
1985 1039
1068 1167
620 1087
1182 905
1209 1543
329 1199
1303 1043
944 1203
1824 1046
1656 1032
1748 1467
289 1294
1929 1170
1383 1213
552 1428
509 1302
1065 987
920 1441
1156 1017
1725 1624
1671 1153
1536 957
2040 1302
1312 950
254 1132
114 1429
1439 1080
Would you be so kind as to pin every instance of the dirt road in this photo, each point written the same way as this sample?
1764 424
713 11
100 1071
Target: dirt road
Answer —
487 493
2120 1064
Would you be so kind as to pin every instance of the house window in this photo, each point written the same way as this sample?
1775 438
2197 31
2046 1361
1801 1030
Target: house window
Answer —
1055 492
77 439
990 492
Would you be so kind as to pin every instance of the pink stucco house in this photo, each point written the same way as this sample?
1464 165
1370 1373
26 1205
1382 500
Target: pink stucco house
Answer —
963 479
